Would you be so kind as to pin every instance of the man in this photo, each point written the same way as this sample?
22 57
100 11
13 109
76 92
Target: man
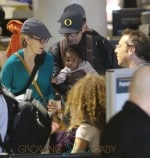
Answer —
127 134
133 49
96 49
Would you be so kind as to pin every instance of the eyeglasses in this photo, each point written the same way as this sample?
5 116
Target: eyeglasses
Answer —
121 45
41 40
70 34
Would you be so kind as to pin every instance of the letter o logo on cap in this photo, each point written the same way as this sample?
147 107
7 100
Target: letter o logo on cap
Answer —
68 22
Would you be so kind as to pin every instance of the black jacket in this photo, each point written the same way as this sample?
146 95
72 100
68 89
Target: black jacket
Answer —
103 54
128 133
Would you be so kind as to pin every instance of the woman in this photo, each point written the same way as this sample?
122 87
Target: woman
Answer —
86 107
14 74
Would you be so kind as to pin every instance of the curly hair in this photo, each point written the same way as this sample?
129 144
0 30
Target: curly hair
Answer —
75 49
86 101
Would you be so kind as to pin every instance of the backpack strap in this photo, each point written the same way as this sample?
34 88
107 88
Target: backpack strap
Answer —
39 59
89 48
62 45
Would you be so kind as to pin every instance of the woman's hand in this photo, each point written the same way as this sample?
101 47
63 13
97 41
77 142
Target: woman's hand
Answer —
52 106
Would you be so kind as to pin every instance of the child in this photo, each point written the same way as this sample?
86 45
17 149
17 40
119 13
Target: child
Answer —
76 67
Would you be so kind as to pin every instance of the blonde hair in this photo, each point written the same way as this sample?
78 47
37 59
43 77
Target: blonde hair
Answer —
86 101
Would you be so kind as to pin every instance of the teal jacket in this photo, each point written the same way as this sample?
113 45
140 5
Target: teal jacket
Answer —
14 76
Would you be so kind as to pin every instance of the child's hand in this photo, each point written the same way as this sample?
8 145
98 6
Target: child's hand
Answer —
54 80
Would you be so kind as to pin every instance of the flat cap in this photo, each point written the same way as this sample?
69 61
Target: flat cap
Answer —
35 27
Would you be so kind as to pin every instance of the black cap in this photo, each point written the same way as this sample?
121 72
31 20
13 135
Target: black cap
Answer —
75 9
35 27
71 23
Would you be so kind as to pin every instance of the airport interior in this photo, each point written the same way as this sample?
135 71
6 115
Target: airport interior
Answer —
108 17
